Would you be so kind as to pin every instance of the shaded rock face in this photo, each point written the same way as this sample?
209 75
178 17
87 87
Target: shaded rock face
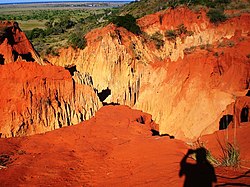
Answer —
14 45
186 84
37 99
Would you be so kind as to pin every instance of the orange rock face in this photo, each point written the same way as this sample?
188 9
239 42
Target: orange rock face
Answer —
14 45
186 84
37 99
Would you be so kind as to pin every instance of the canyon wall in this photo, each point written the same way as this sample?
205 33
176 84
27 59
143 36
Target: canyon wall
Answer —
14 45
36 99
186 82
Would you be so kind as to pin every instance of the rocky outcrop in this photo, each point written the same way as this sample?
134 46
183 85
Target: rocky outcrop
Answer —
186 82
37 99
191 94
15 46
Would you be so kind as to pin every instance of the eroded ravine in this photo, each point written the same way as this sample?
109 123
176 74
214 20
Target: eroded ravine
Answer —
186 84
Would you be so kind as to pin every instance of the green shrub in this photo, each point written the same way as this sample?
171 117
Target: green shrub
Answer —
216 16
76 40
128 22
181 29
173 3
35 33
207 3
158 40
170 35
52 51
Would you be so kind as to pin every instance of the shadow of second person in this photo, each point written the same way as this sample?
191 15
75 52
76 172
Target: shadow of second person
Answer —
199 174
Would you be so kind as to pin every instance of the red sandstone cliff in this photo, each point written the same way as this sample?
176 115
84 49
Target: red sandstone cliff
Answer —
37 99
186 85
14 45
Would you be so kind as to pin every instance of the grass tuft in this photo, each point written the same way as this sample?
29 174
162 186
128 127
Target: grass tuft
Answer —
231 155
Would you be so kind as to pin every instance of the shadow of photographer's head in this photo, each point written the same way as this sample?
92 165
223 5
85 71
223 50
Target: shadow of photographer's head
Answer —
201 155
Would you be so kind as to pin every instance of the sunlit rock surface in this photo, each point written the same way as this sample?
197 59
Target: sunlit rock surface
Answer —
37 99
186 84
14 45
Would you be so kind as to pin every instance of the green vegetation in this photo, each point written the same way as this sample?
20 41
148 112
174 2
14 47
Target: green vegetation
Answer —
50 28
77 41
158 40
231 155
180 31
170 35
216 15
206 3
143 7
128 22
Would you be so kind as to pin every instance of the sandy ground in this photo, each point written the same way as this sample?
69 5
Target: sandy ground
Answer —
111 149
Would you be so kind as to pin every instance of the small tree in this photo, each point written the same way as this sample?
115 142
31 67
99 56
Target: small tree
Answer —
128 22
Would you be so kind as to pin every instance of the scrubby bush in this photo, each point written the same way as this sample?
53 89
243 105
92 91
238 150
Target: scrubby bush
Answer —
76 40
181 29
216 15
52 51
173 3
35 33
170 35
207 3
128 22
158 40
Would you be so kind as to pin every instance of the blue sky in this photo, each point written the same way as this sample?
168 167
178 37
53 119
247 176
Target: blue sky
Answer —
24 1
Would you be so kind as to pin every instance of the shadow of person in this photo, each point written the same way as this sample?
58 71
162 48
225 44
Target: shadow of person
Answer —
200 174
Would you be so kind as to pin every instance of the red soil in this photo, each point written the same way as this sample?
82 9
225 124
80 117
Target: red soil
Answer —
111 149
116 148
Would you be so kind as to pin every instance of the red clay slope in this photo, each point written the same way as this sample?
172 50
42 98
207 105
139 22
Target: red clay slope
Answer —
114 148
36 98
14 45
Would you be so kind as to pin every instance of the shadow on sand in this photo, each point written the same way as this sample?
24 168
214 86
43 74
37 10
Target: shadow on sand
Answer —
199 174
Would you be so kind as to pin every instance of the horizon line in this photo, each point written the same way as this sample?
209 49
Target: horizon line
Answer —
62 1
